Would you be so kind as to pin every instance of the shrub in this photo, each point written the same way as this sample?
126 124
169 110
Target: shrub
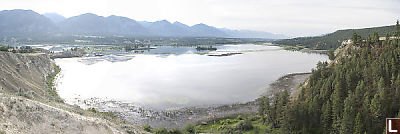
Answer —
91 109
161 131
239 117
147 128
3 48
190 128
244 125
175 131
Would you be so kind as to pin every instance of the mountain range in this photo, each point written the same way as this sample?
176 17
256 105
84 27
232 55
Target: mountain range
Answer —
27 22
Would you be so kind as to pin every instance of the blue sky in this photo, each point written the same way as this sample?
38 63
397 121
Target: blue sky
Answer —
289 17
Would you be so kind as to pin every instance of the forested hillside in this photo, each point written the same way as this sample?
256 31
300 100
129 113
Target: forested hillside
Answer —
333 40
352 95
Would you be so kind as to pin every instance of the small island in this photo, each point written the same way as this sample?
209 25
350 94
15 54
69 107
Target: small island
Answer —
210 48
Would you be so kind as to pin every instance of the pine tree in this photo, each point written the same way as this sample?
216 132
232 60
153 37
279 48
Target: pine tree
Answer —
366 113
398 114
282 107
383 97
356 39
396 96
397 28
347 122
337 108
353 95
358 126
359 93
376 109
375 37
326 117
331 54
274 114
264 108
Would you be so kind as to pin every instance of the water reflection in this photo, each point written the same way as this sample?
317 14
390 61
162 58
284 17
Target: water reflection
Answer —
165 81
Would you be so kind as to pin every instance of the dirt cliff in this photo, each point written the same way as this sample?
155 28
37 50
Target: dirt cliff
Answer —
29 105
25 74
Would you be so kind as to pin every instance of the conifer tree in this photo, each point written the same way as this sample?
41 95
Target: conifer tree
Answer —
397 28
326 117
347 123
358 126
353 95
375 37
337 108
331 54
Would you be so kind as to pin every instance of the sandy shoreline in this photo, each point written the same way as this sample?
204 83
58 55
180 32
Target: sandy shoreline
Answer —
137 115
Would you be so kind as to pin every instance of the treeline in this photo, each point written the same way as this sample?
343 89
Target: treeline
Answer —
333 40
353 95
22 49
117 40
4 48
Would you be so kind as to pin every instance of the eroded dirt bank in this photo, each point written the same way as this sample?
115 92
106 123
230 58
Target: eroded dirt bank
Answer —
25 74
29 105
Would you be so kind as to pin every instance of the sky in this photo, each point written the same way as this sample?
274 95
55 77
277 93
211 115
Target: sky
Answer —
290 17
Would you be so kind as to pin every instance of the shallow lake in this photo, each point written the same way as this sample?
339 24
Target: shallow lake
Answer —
178 80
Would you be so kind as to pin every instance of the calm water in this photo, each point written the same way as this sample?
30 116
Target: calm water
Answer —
165 81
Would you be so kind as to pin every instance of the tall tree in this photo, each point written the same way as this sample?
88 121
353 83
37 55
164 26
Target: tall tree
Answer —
326 117
352 95
347 123
397 28
375 37
331 54
358 126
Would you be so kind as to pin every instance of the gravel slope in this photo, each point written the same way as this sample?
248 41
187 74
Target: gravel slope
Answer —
28 106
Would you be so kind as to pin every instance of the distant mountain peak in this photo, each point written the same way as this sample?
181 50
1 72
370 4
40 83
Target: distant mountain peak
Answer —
163 22
25 22
120 18
52 13
19 10
177 22
112 16
201 25
90 14
54 17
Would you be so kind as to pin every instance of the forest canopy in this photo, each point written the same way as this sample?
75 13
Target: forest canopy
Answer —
333 40
353 94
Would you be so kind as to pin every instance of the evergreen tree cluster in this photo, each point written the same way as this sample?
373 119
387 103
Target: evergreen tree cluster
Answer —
352 95
333 40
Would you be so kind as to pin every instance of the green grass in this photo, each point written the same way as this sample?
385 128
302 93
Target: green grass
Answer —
232 125
251 124
50 83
